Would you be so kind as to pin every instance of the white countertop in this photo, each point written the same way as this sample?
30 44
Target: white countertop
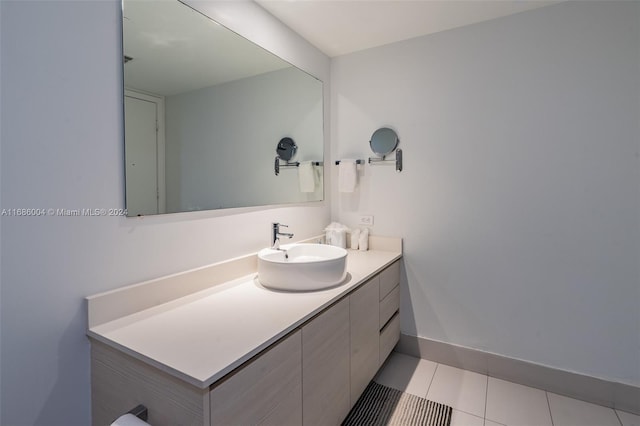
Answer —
203 336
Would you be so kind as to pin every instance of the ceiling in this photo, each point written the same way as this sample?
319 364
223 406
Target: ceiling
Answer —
338 27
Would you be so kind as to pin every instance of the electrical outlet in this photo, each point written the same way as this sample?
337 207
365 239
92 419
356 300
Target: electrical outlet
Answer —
366 220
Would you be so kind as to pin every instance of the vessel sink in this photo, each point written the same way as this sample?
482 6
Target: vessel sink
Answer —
302 267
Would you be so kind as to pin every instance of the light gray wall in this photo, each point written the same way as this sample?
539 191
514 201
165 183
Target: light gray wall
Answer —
224 137
62 148
519 204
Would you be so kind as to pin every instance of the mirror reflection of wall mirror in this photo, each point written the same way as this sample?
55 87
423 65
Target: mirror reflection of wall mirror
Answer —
203 107
286 149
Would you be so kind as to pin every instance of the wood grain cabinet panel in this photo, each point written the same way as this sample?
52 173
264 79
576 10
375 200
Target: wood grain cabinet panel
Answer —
389 306
389 336
325 367
389 279
267 391
365 335
119 382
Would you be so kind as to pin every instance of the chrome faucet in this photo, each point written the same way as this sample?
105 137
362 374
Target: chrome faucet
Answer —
276 234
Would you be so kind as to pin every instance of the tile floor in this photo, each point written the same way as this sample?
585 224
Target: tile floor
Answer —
479 400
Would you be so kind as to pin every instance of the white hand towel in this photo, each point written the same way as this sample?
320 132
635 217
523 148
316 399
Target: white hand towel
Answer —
347 175
307 177
355 238
363 242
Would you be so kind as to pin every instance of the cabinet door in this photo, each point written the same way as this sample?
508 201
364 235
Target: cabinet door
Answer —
365 335
267 391
325 367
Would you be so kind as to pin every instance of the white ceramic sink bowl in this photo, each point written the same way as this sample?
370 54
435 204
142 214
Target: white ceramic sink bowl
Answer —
302 267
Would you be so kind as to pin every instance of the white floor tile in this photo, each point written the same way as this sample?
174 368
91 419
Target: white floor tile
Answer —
463 390
572 412
516 405
478 400
460 418
406 373
628 419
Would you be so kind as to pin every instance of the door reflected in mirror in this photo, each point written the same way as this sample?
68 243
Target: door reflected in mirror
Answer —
203 109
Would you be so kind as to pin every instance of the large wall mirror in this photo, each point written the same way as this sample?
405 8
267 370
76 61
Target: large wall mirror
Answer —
204 112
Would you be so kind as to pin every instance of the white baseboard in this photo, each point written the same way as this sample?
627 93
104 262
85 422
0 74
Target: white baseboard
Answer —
617 395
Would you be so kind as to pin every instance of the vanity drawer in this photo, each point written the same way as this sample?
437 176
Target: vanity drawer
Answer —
389 279
389 305
389 336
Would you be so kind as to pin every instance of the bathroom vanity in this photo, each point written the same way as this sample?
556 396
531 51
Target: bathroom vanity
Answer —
213 347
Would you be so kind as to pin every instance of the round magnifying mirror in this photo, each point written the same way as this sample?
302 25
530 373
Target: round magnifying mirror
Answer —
383 141
286 149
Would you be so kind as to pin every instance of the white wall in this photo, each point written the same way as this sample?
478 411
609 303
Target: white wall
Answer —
223 137
62 148
519 204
